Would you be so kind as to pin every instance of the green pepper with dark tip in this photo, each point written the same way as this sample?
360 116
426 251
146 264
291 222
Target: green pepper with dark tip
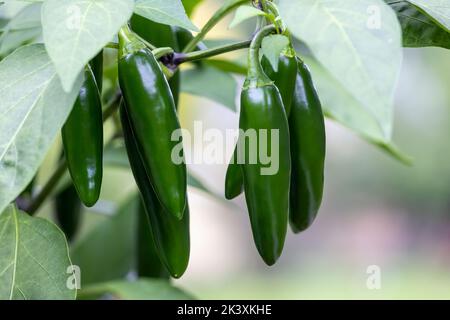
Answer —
148 264
151 109
170 235
234 181
308 147
266 186
159 35
83 141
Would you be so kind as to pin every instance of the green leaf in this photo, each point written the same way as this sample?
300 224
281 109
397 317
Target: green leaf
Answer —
24 27
28 17
107 252
14 39
209 82
34 107
272 46
244 13
34 258
169 12
439 10
419 30
76 30
142 289
359 43
190 5
11 8
339 105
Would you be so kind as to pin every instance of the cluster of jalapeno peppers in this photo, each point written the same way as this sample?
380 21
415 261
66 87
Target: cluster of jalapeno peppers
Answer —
284 99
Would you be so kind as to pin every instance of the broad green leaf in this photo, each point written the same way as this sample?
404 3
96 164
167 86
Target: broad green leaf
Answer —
10 8
76 30
359 43
28 17
14 39
439 10
34 107
211 83
418 29
339 105
169 12
107 252
190 5
34 259
244 13
142 289
272 46
24 27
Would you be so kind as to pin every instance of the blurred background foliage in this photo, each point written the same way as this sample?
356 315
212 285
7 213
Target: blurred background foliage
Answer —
376 210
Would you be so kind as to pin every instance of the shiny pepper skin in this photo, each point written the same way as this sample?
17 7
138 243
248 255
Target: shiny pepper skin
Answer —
284 78
83 141
308 144
151 109
170 235
267 196
160 35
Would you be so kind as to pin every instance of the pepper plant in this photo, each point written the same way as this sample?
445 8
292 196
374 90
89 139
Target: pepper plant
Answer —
98 82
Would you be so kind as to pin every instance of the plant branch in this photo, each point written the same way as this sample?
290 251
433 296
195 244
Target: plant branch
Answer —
219 15
48 188
180 58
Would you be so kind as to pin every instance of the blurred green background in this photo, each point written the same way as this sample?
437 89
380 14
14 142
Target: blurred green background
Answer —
376 211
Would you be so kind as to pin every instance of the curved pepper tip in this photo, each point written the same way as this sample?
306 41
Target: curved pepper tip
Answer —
90 200
270 260
177 269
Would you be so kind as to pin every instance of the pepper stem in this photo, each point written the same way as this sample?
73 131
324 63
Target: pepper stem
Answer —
256 76
129 42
